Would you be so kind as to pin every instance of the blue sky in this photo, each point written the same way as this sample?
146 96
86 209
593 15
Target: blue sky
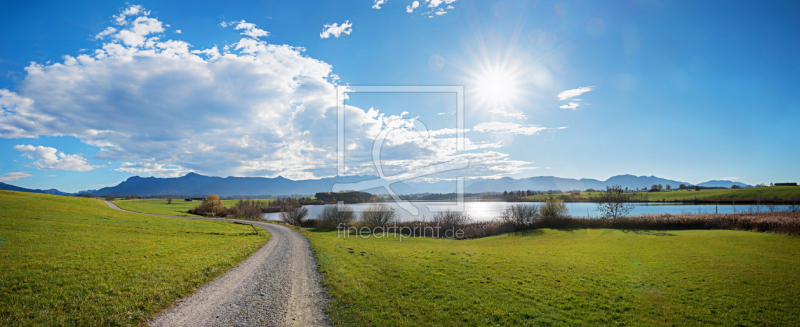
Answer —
685 90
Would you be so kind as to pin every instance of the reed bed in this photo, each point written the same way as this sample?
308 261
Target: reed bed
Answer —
779 222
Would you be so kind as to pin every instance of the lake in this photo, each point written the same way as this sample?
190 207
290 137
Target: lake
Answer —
481 211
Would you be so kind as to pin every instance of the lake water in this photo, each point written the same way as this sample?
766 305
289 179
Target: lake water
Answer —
480 211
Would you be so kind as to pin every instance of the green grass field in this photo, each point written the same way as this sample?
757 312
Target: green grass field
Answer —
782 192
179 207
75 262
560 278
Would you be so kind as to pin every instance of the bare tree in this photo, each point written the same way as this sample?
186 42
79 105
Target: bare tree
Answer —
613 203
520 214
332 216
378 215
294 216
451 218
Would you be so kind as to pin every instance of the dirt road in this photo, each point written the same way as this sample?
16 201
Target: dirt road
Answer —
276 286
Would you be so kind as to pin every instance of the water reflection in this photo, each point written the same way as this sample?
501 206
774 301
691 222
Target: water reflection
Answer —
480 211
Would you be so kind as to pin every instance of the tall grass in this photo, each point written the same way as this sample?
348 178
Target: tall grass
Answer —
779 222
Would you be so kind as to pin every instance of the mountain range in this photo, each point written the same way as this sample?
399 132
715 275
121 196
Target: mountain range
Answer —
196 184
193 183
9 187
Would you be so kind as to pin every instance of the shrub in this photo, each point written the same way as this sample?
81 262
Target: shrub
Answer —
294 216
213 204
378 215
520 214
553 208
451 218
247 210
332 216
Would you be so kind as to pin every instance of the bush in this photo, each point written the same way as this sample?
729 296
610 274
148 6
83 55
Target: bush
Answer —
520 214
553 208
378 215
451 218
294 216
332 216
248 210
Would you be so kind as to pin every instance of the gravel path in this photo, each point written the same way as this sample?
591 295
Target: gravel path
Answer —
278 285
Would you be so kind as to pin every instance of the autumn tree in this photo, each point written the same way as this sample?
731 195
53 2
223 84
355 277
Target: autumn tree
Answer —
213 204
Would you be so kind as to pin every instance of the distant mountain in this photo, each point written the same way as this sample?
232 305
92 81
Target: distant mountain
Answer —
726 184
196 184
9 187
546 183
193 183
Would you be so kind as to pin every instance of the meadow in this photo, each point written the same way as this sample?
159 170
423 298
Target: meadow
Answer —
75 262
178 207
780 192
550 277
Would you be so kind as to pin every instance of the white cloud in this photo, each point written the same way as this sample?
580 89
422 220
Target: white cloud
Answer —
151 168
108 31
410 8
141 28
435 9
378 4
178 32
508 112
509 128
47 158
568 94
729 178
446 131
336 29
436 3
571 105
10 177
133 10
254 108
52 176
248 29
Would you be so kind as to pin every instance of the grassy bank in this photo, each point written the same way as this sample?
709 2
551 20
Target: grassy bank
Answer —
781 192
178 207
558 277
74 261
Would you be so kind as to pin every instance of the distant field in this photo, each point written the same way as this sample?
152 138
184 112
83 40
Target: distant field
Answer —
564 278
74 261
782 192
179 207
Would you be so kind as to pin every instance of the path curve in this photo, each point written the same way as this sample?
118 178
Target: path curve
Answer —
278 285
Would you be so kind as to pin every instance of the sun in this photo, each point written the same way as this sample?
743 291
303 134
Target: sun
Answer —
496 86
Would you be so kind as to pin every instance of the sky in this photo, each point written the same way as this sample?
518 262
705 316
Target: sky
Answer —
95 92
